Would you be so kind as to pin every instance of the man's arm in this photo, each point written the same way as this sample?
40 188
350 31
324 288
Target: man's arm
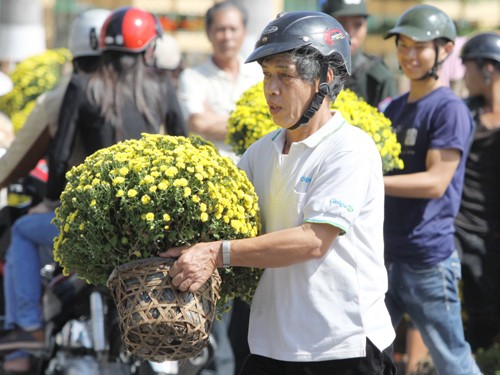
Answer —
209 125
277 249
441 165
200 117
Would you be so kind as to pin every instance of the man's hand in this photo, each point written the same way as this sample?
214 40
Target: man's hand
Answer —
195 264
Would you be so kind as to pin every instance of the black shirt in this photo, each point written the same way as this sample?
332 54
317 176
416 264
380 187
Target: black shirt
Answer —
480 205
82 119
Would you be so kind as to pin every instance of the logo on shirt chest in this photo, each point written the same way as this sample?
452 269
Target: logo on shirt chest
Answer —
303 185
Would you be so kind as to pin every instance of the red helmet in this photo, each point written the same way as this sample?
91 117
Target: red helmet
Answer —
129 29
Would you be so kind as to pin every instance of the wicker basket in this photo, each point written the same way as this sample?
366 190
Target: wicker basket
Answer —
159 322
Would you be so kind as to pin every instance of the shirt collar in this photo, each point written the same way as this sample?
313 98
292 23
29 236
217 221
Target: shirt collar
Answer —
221 72
330 127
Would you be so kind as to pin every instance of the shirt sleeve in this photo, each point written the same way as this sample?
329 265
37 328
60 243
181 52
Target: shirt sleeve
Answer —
452 126
244 165
191 98
344 187
61 147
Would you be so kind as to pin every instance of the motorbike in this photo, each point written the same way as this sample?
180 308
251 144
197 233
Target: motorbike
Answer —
82 333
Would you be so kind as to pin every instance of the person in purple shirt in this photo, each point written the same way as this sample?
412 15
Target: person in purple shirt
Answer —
434 128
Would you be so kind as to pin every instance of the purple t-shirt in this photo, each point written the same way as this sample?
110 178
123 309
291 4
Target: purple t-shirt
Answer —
421 230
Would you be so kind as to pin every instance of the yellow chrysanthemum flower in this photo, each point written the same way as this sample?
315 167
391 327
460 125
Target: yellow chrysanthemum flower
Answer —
251 120
148 195
32 77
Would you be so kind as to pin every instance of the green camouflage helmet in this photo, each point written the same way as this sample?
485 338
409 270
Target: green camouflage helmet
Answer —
340 8
423 23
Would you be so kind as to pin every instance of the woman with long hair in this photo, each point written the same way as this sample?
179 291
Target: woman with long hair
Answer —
123 98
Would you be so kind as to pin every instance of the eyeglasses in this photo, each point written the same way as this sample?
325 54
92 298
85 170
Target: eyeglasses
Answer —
418 47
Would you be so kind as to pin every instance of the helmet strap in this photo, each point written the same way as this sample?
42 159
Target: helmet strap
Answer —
317 99
149 54
433 71
486 75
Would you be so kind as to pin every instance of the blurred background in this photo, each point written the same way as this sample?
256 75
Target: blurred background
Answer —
28 27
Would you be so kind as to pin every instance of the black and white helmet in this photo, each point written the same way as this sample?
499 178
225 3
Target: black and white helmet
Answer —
304 29
84 32
303 32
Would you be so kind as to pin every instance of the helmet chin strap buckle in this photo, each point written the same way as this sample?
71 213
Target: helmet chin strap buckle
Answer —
324 89
313 108
433 71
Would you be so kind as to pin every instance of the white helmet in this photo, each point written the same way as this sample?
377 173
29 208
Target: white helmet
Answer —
84 32
167 52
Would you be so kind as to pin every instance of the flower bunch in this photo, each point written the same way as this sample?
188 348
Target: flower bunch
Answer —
139 197
32 77
251 120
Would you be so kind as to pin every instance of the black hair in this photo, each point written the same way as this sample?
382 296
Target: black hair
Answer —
123 75
309 63
85 64
209 16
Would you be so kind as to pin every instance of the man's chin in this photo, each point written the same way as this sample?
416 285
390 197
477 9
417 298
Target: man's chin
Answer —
228 54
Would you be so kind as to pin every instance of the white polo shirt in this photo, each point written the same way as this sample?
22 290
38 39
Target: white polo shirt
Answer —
207 84
322 309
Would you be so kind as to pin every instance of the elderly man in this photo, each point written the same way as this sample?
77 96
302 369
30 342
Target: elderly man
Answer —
319 306
208 92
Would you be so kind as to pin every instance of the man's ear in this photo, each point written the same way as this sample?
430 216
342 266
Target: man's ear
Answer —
448 48
330 75
324 86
